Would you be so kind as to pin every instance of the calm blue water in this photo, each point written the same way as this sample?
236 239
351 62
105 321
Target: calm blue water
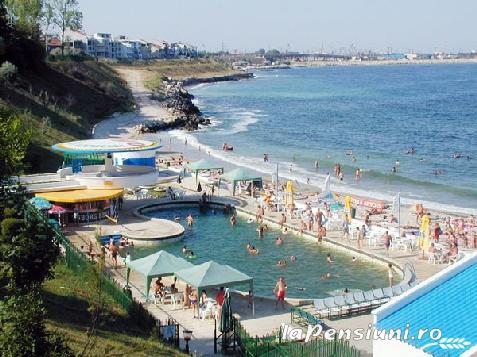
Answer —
379 112
213 238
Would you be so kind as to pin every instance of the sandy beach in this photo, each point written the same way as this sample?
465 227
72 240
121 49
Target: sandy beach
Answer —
121 125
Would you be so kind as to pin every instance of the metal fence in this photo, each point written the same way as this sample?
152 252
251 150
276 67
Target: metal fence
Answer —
273 346
80 264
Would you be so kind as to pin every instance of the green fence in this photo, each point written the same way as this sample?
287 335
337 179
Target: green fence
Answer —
80 264
273 346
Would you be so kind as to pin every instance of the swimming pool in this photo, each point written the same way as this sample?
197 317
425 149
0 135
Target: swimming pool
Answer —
213 238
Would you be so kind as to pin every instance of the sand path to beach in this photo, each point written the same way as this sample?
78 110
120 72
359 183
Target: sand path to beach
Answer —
122 124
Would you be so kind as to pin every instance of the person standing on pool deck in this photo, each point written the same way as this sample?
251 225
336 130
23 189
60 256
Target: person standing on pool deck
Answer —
390 274
387 242
279 290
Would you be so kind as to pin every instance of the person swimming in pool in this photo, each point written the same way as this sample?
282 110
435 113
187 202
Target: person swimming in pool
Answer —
281 263
279 240
328 258
326 276
260 230
293 258
233 220
185 250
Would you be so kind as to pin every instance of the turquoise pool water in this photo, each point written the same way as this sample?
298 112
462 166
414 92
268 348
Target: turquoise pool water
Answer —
213 238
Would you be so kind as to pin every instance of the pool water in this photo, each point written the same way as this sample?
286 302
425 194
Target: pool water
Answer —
213 238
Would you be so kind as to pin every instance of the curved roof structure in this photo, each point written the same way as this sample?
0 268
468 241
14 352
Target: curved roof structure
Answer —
77 196
105 146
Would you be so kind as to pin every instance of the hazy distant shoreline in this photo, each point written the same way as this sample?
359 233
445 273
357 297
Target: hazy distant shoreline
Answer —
382 62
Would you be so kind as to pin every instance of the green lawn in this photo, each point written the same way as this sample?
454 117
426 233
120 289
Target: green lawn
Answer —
70 298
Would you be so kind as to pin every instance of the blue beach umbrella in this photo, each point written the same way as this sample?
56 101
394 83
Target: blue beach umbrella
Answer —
40 203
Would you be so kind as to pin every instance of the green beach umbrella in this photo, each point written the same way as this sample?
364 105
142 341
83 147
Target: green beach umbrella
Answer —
226 315
40 203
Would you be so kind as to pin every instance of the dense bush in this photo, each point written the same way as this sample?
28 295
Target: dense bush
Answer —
10 226
8 72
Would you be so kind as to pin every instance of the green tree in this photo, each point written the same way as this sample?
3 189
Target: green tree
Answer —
26 15
47 21
66 15
14 139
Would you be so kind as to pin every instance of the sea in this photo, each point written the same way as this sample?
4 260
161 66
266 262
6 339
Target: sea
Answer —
365 117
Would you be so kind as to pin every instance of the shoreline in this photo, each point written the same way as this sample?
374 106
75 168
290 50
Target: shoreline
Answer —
350 63
125 128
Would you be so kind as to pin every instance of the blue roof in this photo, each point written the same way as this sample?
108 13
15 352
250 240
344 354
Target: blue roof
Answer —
450 307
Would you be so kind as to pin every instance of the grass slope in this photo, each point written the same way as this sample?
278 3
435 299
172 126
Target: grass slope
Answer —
62 101
180 69
68 298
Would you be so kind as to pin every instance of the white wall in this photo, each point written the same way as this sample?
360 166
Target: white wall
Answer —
391 348
117 182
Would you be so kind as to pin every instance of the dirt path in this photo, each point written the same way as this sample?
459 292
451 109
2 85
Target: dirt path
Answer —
122 124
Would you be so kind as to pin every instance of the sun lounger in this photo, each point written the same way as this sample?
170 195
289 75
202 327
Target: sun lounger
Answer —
353 306
321 308
333 308
388 292
397 290
369 296
404 287
379 296
361 301
341 302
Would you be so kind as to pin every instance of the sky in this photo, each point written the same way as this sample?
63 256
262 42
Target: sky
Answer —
294 25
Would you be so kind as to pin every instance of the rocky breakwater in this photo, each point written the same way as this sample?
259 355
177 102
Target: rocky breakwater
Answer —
183 113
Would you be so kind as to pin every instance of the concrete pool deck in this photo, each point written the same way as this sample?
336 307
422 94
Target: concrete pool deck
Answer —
140 229
267 319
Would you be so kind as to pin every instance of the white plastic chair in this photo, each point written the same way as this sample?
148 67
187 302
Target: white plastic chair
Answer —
209 310
177 298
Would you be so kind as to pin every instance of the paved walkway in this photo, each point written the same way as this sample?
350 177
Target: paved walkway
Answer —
267 319
141 231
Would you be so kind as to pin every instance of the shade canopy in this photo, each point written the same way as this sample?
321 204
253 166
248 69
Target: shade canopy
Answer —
155 265
77 196
104 146
204 165
240 175
40 203
212 274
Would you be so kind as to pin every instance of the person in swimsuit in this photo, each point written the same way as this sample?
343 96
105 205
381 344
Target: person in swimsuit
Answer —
279 241
279 290
329 259
190 220
390 274
233 220
114 254
194 303
387 242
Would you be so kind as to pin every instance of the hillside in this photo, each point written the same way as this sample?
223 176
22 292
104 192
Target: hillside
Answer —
69 297
62 101
153 72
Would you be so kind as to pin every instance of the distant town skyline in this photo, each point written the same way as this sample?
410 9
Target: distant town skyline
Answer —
344 26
